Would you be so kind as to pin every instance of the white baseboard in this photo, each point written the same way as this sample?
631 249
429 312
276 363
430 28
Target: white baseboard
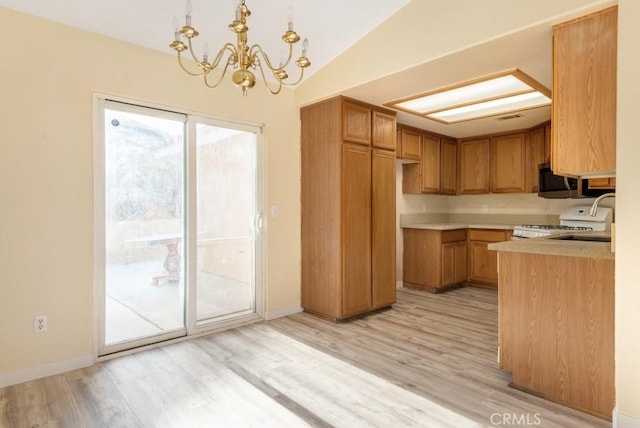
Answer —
282 312
50 369
623 421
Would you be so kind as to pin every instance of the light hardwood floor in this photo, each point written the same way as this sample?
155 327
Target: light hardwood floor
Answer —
429 362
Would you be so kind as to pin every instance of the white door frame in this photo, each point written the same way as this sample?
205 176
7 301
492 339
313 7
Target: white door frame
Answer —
192 328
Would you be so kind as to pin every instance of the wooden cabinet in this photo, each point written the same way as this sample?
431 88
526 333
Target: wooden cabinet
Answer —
492 164
448 166
483 263
508 160
602 183
430 164
538 151
584 95
436 172
473 166
409 144
434 260
383 228
556 328
348 208
383 133
355 218
356 123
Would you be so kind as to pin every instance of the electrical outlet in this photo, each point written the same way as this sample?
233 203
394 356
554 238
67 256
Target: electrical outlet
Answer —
485 208
549 208
40 324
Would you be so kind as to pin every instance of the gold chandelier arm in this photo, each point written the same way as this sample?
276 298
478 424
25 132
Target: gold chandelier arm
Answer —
193 55
224 71
257 49
266 83
297 81
186 70
228 47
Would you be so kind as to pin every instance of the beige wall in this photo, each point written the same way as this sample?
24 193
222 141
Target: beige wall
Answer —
47 81
628 206
400 43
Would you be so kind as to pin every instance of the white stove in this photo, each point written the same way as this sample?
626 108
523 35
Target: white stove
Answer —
576 219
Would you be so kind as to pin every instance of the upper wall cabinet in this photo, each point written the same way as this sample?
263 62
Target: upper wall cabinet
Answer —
436 172
383 130
448 166
430 171
584 95
495 164
473 166
356 123
538 151
508 159
409 144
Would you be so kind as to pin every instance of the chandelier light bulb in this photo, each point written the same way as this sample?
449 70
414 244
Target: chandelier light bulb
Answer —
187 13
176 30
305 46
290 18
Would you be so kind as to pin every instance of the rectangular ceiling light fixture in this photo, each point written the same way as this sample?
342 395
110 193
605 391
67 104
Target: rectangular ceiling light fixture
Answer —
487 96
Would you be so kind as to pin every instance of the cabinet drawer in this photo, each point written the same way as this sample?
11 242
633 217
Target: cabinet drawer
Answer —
454 235
487 235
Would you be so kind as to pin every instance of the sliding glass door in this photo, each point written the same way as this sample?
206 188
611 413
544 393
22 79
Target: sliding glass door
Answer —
178 225
227 222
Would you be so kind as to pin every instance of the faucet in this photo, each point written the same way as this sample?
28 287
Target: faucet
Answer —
594 207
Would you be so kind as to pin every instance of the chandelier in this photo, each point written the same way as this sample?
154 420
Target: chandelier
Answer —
242 57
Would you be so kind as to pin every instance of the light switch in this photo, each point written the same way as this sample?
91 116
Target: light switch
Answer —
275 210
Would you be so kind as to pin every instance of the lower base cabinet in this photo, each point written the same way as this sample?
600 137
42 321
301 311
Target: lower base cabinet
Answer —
434 260
556 328
483 263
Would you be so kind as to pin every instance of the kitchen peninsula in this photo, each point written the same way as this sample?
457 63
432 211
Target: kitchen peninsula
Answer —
556 319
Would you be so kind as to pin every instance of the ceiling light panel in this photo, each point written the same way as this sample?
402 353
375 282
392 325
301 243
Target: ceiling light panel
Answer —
492 108
491 95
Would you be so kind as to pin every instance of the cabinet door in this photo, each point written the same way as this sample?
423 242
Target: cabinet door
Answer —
384 131
602 183
430 170
448 263
454 262
584 95
461 261
537 153
356 229
356 123
483 263
474 166
508 159
411 144
421 259
448 166
383 236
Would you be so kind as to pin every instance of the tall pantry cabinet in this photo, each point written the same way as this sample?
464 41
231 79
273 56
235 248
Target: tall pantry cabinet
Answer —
348 208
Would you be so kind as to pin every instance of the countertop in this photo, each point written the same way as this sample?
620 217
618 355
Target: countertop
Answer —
559 247
453 226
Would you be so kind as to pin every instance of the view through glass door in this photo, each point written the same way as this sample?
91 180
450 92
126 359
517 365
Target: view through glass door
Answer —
227 222
171 264
144 157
